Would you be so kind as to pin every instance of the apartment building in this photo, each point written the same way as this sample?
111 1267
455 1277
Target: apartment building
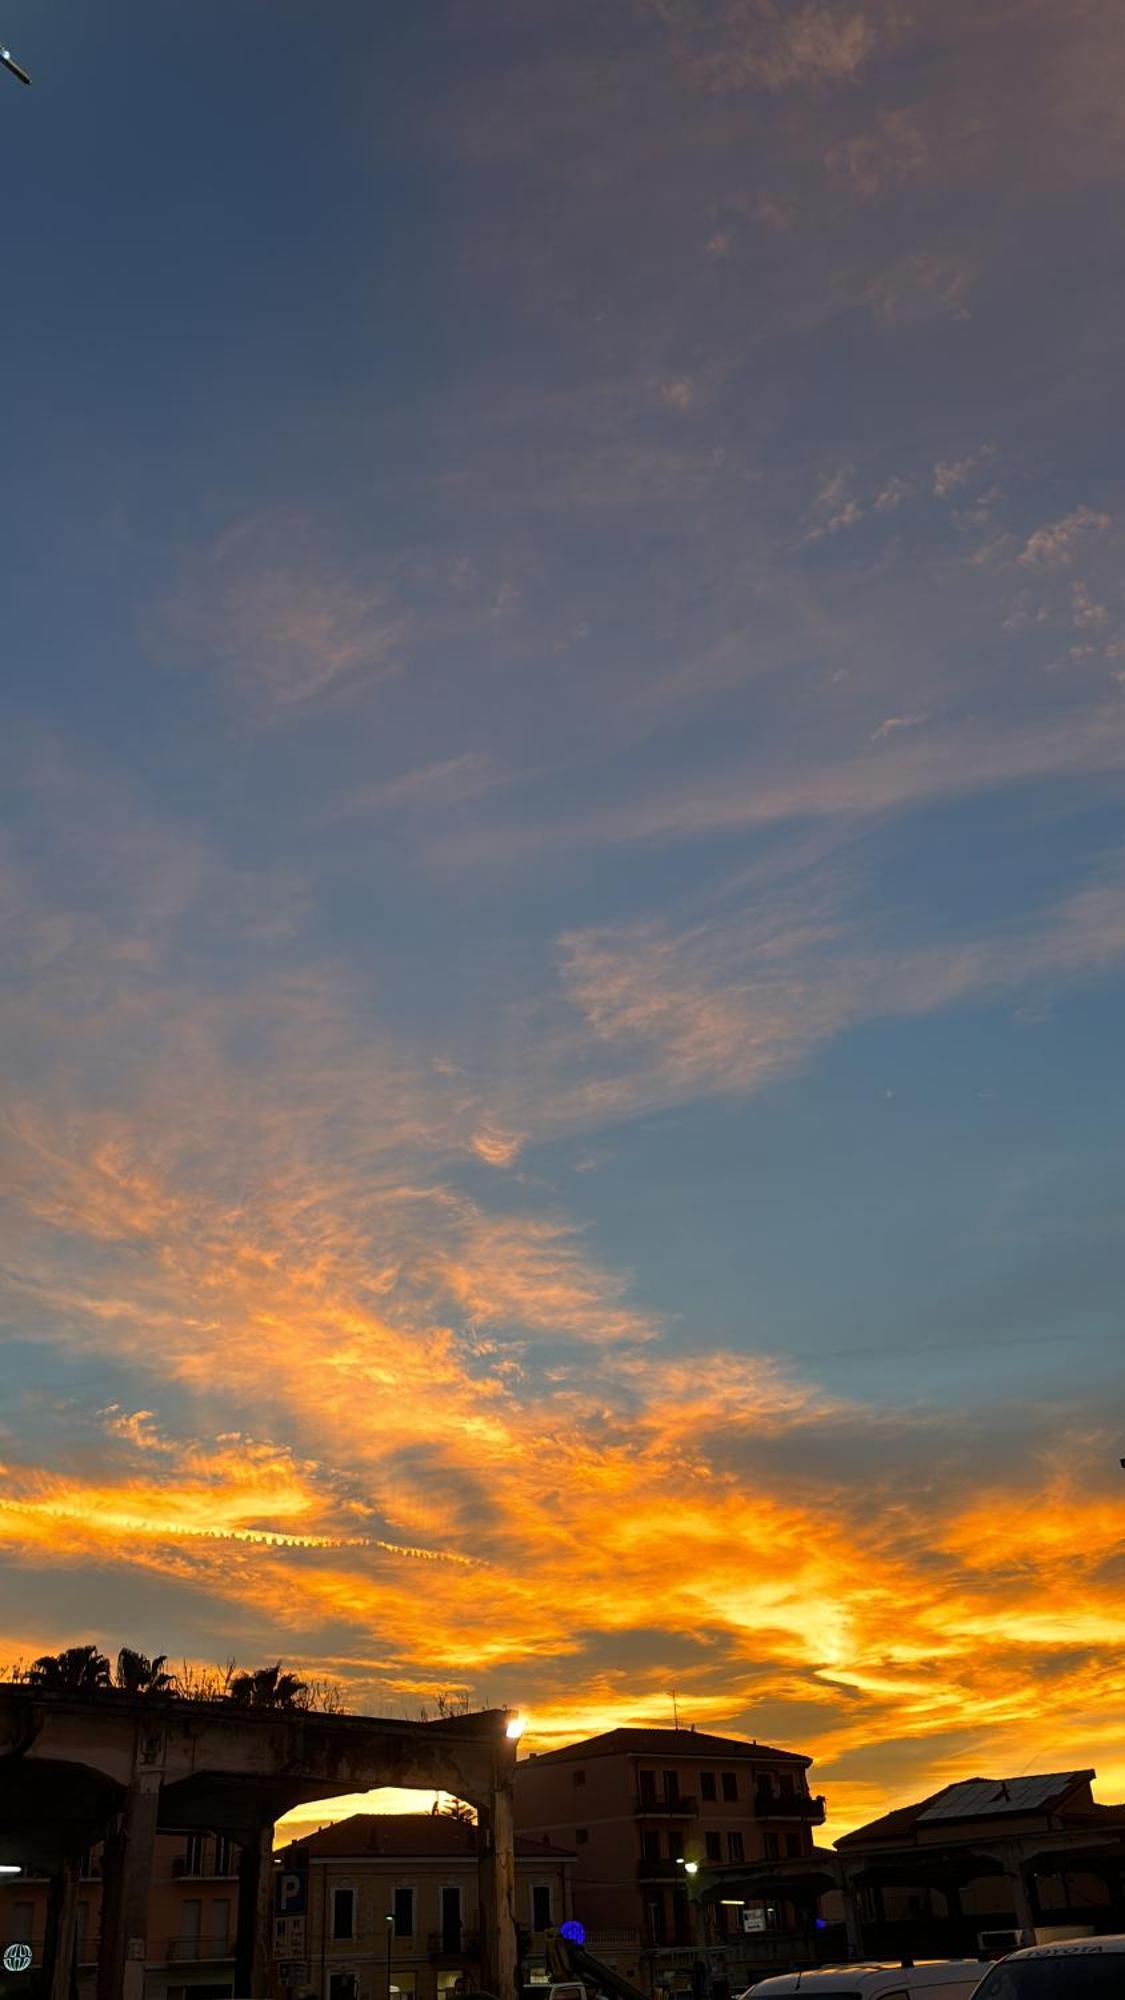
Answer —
193 1911
656 1817
385 1904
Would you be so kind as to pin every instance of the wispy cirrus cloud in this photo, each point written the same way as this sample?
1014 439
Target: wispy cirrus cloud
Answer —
286 625
732 1004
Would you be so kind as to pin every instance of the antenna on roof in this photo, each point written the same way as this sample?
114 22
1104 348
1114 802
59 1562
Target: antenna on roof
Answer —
675 1711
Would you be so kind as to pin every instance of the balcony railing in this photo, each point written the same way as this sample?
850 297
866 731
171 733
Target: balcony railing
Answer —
198 1950
661 1871
681 1805
454 1944
788 1805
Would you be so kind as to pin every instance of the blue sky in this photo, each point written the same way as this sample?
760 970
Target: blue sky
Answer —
563 733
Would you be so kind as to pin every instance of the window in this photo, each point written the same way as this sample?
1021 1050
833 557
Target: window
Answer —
541 1906
735 1849
730 1784
578 1778
681 1922
707 1784
404 1913
772 1850
647 1782
82 1934
403 1984
191 1922
671 1788
713 1844
650 1846
451 1918
793 1844
220 1919
343 1985
224 1855
343 1913
581 1836
194 1854
22 1923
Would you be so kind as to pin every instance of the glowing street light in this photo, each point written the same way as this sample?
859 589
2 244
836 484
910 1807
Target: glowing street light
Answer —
515 1727
10 63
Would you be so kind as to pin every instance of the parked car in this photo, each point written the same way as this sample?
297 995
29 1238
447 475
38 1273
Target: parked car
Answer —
1090 1968
943 1979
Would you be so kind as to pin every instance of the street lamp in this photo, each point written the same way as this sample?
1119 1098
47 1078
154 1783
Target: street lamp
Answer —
10 64
390 1941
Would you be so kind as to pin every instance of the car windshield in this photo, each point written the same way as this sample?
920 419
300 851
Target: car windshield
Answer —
1096 1977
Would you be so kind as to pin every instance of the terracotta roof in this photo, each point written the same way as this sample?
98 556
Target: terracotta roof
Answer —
667 1743
973 1799
390 1836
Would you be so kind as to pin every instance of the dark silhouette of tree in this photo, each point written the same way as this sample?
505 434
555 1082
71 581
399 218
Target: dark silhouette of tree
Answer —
137 1674
268 1687
77 1670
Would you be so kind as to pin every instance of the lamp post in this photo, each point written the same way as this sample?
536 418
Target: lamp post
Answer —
390 1941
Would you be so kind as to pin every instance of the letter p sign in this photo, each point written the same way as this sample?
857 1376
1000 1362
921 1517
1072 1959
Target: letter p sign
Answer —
291 1893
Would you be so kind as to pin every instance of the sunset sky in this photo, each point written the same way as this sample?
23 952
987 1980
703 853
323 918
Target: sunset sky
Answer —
563 889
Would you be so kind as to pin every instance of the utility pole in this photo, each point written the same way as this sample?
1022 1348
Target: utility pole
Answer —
390 1941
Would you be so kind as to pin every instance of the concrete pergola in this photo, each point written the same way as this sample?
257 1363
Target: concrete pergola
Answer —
802 1880
119 1769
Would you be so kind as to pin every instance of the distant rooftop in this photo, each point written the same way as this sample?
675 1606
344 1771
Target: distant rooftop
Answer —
667 1743
391 1836
975 1799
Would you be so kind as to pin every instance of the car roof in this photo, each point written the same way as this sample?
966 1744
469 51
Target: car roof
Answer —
1079 1947
935 1972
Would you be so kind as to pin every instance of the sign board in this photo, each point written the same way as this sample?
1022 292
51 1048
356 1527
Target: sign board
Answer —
17 1957
291 1892
754 1917
289 1937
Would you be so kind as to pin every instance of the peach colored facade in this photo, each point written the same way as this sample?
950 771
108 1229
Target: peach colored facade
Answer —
193 1913
420 1870
636 1805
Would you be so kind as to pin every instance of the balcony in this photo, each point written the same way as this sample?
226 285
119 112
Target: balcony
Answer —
788 1805
661 1871
198 1950
659 1806
454 1945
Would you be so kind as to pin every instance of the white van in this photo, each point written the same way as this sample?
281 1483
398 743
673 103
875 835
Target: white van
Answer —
1089 1968
944 1979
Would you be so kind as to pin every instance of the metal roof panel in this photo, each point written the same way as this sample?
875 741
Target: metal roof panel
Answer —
987 1798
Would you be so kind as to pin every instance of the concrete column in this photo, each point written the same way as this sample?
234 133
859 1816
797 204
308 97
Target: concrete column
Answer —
1021 1898
852 1926
62 1930
126 1880
253 1952
496 1868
